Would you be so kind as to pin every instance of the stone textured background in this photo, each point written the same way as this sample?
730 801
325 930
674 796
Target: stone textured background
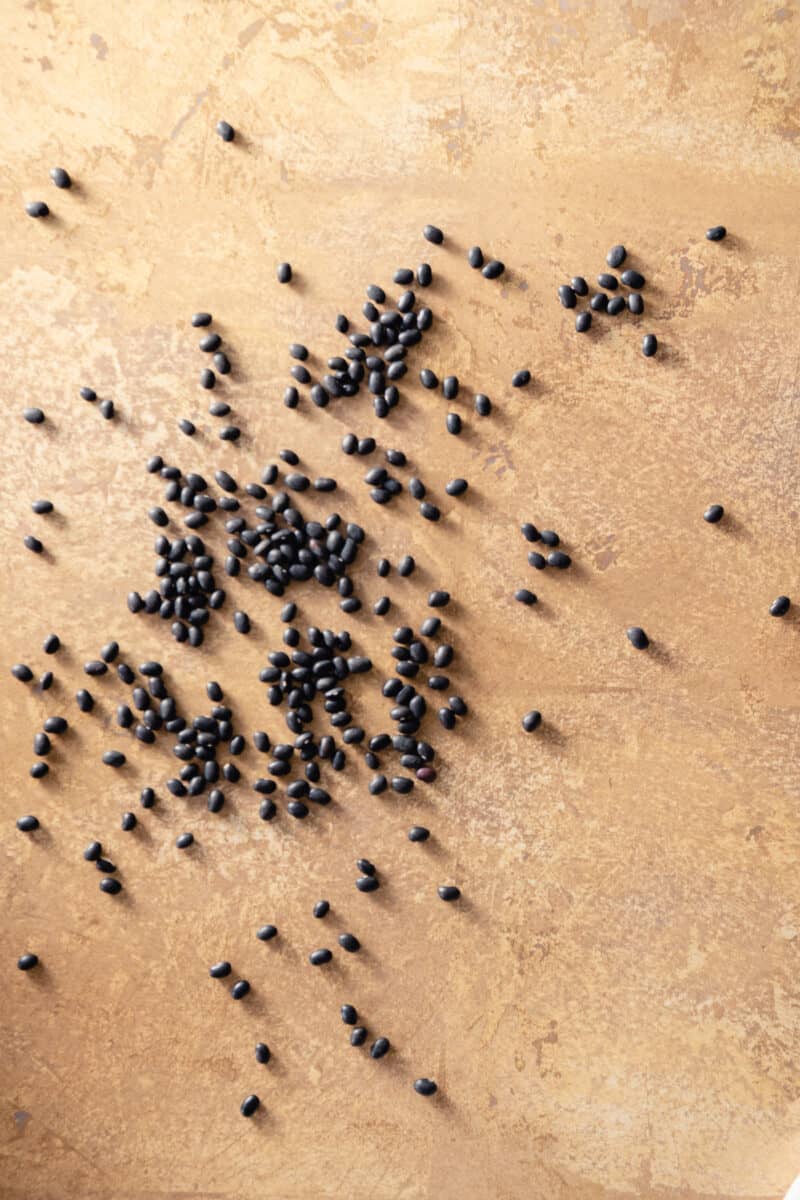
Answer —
613 1011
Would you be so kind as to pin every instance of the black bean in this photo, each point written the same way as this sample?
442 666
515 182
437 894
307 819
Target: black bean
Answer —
418 833
27 962
365 866
158 517
321 909
376 293
27 824
609 282
46 680
716 233
615 306
493 269
128 821
348 1014
428 378
39 770
379 1047
199 319
85 700
60 177
87 393
266 933
34 416
633 279
449 892
220 970
367 883
429 511
225 131
450 387
95 666
377 785
559 559
348 942
525 596
262 1052
424 275
33 544
438 599
111 887
453 423
147 798
583 322
222 363
37 208
114 758
241 622
649 345
251 1104
402 786
475 257
231 433
42 506
41 745
358 1036
396 457
284 272
537 560
456 487
106 408
532 720
567 296
318 957
599 302
635 304
210 343
240 989
780 606
406 566
184 840
520 379
637 637
432 233
208 380
713 514
425 1087
616 256
458 706
342 323
579 286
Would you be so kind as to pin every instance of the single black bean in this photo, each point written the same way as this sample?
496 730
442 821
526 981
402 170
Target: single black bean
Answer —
475 257
220 970
483 405
111 886
263 1054
33 544
240 989
493 269
27 824
637 637
450 387
147 797
716 233
367 883
449 892
208 380
424 275
318 957
780 606
633 279
284 272
599 302
425 1087
184 840
37 208
60 177
649 345
432 233
114 758
616 256
713 514
34 416
348 1014
418 833
559 559
42 506
22 672
532 720
428 378
379 1047
200 319
524 596
250 1106
520 379
85 700
583 322
27 962
128 821
635 304
349 942
609 282
41 745
225 131
567 296
456 487
615 306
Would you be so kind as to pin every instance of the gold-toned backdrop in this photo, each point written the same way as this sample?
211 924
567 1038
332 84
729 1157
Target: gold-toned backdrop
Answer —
613 1011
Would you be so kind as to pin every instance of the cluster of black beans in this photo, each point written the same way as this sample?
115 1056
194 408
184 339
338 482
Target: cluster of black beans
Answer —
600 302
39 208
211 343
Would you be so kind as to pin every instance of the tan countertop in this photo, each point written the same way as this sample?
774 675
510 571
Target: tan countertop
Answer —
612 1011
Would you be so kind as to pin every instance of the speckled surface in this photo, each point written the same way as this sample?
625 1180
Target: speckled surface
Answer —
612 1012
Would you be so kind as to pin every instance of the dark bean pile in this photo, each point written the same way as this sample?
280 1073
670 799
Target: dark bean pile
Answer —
264 532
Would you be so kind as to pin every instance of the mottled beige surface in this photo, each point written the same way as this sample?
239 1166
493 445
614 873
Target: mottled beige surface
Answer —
613 1012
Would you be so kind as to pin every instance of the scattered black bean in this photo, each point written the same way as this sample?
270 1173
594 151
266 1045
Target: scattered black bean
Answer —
358 1036
449 892
609 282
27 962
27 824
493 269
266 933
583 322
33 544
184 840
716 233
532 720
483 405
635 304
599 302
240 989
220 970
251 1104
225 131
111 886
633 279
284 272
615 306
114 758
637 637
318 957
349 942
37 208
425 1087
567 296
380 1047
780 606
713 514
